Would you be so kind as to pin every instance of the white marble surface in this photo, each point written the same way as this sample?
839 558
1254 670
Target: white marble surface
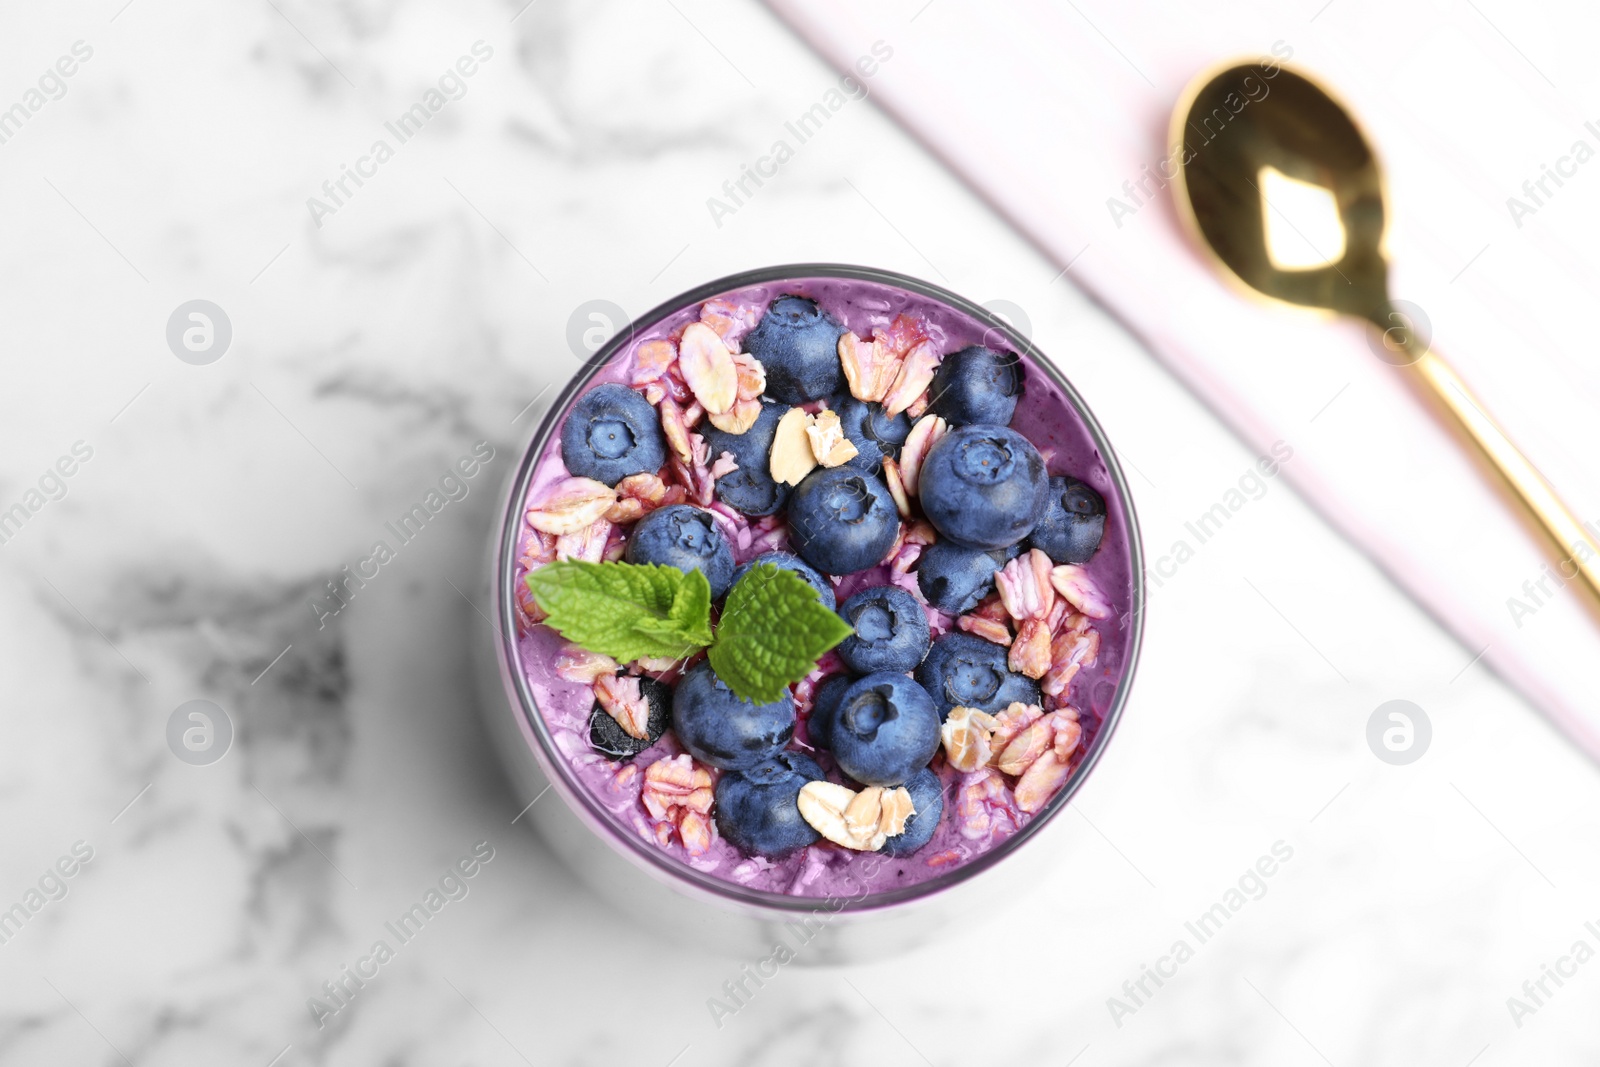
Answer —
424 315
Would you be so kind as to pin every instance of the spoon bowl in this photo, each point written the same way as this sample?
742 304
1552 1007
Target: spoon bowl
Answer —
1240 122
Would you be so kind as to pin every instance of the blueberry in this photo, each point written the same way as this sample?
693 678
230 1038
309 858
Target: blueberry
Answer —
886 731
955 579
874 434
798 346
842 520
686 538
800 567
610 433
613 742
825 709
984 486
723 730
977 385
758 810
891 631
927 797
750 489
965 671
1074 520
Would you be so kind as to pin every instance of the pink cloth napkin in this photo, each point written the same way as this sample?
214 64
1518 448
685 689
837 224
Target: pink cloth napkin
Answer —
1047 109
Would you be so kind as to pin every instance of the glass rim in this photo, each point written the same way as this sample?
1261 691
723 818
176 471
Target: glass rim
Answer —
555 764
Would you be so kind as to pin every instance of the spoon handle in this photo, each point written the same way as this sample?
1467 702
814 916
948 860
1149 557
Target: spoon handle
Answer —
1576 554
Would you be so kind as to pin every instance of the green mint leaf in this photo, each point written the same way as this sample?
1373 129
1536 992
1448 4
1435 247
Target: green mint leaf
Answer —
674 643
623 610
773 631
691 610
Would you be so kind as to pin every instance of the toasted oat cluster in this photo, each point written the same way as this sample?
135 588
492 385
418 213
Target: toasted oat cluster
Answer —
882 470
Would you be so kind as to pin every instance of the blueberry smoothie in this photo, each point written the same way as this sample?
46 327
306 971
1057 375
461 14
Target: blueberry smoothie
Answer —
823 589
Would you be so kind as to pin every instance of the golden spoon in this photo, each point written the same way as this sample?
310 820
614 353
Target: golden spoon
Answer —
1256 126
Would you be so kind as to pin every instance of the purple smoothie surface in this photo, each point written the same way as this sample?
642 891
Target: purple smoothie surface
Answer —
975 820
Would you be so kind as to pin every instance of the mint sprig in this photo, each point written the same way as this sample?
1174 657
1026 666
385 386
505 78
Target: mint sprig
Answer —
773 631
624 610
773 628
